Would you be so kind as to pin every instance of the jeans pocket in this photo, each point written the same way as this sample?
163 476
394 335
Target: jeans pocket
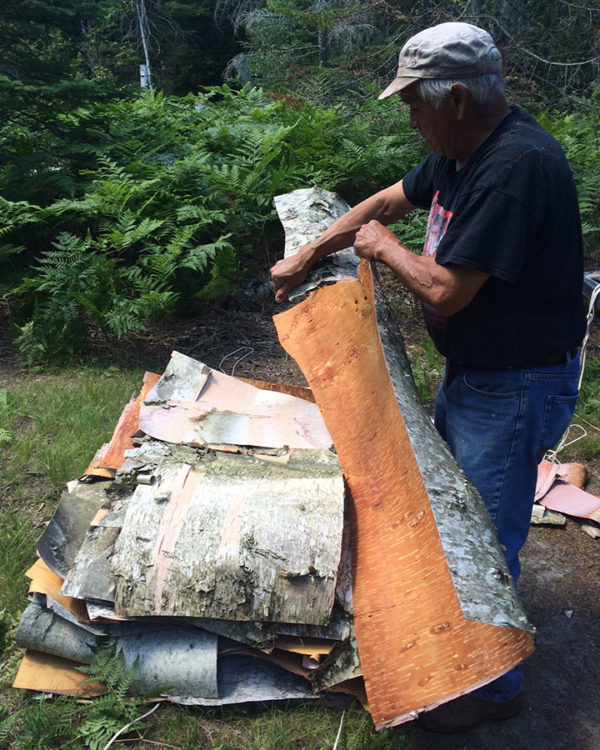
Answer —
494 383
558 412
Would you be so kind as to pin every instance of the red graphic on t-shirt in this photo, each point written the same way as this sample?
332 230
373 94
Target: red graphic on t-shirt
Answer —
437 224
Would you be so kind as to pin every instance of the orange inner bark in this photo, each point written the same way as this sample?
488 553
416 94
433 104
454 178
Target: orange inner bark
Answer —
416 646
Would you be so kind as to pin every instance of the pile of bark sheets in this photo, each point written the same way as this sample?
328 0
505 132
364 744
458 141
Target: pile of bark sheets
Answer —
248 542
209 547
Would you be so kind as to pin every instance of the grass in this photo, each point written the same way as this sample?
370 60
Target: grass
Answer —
286 727
50 427
53 424
17 539
587 414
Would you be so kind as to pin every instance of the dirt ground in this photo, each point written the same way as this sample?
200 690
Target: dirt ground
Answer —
560 584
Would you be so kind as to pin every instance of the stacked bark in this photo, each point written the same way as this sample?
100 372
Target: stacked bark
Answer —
219 537
211 557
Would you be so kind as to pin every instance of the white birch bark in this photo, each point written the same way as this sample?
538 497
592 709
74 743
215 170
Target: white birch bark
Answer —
236 538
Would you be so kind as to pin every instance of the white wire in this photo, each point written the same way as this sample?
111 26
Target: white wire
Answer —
565 441
339 734
590 318
238 360
127 726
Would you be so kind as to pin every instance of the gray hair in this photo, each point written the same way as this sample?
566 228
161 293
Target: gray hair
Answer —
484 89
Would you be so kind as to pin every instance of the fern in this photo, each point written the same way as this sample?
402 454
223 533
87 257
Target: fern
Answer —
578 137
62 722
7 722
198 258
108 713
48 723
175 204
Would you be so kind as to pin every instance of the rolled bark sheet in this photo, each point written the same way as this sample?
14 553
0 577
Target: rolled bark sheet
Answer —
436 613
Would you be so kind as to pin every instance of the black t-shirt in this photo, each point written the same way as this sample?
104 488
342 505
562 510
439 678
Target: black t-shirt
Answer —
511 212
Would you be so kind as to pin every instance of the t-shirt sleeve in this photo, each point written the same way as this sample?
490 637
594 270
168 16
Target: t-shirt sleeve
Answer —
418 183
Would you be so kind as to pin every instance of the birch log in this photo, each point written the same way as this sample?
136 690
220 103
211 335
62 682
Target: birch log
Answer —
436 614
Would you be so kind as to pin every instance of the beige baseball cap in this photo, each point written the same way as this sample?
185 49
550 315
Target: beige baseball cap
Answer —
449 50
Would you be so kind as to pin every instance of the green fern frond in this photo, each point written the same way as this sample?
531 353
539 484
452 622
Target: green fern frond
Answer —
198 258
48 723
7 722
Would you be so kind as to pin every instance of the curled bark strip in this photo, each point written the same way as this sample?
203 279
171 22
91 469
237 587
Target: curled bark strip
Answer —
427 568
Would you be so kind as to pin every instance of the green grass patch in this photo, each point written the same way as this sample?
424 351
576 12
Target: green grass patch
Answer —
50 429
53 425
306 726
583 442
17 553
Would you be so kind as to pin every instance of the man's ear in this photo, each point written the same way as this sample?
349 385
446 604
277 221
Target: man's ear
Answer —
459 98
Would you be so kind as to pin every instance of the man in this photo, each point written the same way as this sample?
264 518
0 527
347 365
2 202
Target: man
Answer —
500 280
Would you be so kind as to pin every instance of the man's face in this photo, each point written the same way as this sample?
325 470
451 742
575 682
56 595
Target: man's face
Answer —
436 126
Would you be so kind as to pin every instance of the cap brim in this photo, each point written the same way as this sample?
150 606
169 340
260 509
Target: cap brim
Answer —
397 85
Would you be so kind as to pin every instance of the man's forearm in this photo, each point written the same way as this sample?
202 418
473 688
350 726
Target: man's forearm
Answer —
386 206
446 288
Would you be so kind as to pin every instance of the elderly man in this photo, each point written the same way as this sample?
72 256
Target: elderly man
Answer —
500 281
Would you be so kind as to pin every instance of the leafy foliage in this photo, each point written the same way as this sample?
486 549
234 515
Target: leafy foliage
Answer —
427 367
47 723
108 713
6 724
119 208
61 722
148 229
578 137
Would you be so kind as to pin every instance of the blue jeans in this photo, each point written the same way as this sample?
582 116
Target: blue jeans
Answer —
499 424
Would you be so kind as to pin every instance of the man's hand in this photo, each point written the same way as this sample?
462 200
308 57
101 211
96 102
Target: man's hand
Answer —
372 239
288 273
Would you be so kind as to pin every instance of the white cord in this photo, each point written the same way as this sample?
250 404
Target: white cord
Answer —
131 723
590 318
238 360
339 734
564 441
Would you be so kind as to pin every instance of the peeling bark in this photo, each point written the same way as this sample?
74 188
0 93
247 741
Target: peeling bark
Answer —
168 659
194 405
67 529
467 533
234 538
91 576
341 664
243 679
424 549
468 536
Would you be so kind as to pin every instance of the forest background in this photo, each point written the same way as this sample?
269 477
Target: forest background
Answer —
123 206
